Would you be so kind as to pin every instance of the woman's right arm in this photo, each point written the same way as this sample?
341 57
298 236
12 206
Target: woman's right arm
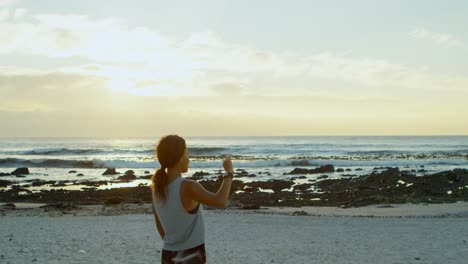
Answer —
198 193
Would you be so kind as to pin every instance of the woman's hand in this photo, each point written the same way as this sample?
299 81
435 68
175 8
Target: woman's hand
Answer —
227 164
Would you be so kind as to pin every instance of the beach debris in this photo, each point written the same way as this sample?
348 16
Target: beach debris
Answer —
20 171
300 213
110 171
60 206
385 206
9 206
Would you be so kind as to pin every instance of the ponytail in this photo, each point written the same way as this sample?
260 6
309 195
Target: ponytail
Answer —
169 151
160 179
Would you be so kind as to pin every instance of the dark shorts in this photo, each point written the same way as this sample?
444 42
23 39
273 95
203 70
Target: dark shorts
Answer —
193 255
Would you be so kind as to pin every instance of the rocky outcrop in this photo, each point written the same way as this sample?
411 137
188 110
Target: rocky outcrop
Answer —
321 169
20 171
110 171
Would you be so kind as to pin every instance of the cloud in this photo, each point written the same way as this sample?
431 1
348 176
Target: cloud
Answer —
435 37
143 61
6 2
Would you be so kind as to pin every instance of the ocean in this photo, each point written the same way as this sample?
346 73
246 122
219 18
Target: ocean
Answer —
266 157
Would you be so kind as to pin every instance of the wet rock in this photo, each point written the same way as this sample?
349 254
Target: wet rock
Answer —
322 177
110 171
60 183
199 174
4 174
146 172
129 172
4 183
113 201
358 169
41 183
91 183
339 170
321 169
300 163
72 171
80 174
126 178
20 171
302 187
348 169
250 207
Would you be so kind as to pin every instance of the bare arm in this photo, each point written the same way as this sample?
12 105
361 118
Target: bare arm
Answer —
219 199
158 224
198 193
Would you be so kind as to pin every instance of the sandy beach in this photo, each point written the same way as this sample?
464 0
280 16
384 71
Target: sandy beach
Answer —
397 233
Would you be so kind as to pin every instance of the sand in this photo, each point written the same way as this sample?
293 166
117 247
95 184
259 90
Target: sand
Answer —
127 234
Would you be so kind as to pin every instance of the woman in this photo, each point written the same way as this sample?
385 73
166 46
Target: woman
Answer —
176 203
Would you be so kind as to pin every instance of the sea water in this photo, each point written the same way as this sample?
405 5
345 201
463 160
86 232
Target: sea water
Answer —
266 157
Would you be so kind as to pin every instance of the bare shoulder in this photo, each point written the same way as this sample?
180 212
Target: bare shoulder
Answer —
190 184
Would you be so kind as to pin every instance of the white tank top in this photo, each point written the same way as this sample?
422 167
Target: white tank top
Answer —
182 229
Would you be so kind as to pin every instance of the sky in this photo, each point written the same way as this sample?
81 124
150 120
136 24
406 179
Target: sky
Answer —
233 68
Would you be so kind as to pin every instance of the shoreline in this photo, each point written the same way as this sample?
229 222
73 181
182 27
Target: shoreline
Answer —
444 210
383 186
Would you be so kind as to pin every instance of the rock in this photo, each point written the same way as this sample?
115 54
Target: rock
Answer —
113 201
20 171
250 207
348 169
80 174
4 174
358 169
127 177
72 171
146 172
129 172
300 163
322 177
40 183
200 174
321 169
4 183
339 170
110 171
